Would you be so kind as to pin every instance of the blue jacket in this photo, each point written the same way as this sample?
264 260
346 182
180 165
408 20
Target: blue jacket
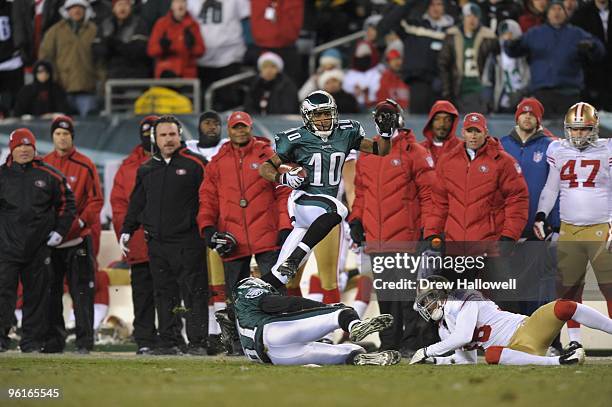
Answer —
553 54
532 158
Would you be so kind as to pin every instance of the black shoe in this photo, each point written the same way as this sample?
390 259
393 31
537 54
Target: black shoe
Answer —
173 350
145 350
229 332
572 346
289 268
196 350
82 351
575 357
215 346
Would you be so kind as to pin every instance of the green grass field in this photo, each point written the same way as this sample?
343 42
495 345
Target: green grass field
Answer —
126 380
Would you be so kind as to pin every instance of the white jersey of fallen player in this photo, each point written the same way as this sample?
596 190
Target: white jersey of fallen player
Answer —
208 152
584 181
474 322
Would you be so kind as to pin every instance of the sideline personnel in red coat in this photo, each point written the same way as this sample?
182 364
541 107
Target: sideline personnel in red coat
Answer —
440 131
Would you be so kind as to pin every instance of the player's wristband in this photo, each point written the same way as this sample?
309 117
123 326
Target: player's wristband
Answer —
385 135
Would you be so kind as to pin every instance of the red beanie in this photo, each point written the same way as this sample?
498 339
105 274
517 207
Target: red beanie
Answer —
63 122
21 137
532 105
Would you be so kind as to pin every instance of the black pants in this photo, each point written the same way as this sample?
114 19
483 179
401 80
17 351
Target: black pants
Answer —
145 333
35 276
179 273
236 270
77 265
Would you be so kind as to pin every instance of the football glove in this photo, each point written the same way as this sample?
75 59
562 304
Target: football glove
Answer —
292 178
229 332
224 243
540 226
357 232
420 356
54 239
124 240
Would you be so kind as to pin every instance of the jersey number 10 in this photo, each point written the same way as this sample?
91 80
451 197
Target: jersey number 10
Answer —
336 160
568 173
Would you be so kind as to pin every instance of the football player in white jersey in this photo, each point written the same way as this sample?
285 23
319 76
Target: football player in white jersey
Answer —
467 321
581 172
208 145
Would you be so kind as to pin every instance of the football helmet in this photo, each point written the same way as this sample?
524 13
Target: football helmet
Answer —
429 302
581 116
316 103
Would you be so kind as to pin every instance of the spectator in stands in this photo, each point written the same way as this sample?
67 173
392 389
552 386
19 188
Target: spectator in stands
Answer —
221 27
165 202
440 131
479 180
360 78
423 38
236 200
508 76
272 92
570 7
495 11
390 84
11 64
331 82
68 44
74 259
528 143
329 59
121 43
533 15
102 9
153 10
387 216
31 19
32 221
43 97
275 26
145 333
556 51
591 17
176 43
462 61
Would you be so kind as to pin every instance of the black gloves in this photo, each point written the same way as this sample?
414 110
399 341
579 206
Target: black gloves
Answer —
189 38
357 232
282 236
165 43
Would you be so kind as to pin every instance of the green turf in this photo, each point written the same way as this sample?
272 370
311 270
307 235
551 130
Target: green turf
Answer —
125 380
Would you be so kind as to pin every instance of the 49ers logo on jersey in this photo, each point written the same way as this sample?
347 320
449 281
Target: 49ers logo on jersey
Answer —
181 171
40 183
72 179
483 168
396 162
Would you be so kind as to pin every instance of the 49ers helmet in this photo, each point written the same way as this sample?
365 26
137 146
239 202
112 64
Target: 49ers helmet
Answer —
581 116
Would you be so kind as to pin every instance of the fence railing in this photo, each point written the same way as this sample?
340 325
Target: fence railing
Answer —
221 83
312 60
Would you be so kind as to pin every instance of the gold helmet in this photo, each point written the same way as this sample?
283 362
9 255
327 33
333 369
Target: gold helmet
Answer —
581 116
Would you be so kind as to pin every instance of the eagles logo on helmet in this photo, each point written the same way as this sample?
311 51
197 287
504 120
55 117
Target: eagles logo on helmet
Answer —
579 117
317 109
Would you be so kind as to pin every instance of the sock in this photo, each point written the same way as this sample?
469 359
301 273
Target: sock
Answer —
592 318
515 357
315 291
331 296
213 325
18 316
360 307
100 311
347 318
294 292
574 334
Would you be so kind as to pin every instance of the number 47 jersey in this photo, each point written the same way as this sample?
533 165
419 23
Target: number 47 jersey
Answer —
323 159
585 181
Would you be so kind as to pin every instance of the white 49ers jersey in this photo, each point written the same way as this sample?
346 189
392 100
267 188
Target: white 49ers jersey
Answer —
474 322
584 181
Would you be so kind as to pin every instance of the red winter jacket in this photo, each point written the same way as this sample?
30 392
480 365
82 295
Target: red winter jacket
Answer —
441 106
232 175
284 30
180 60
393 194
120 199
478 200
393 87
82 176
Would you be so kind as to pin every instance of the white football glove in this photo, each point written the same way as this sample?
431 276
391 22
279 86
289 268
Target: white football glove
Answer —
124 240
54 239
419 356
81 223
291 178
538 226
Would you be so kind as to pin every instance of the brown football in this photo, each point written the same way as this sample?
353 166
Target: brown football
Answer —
286 167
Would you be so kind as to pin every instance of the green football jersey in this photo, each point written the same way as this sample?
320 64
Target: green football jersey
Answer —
323 159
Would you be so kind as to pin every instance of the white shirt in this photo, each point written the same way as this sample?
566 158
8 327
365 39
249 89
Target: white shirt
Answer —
208 152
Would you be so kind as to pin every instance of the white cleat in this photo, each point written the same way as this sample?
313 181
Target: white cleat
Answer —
376 324
575 357
385 358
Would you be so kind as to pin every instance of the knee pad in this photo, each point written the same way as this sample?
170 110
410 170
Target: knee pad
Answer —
493 354
565 309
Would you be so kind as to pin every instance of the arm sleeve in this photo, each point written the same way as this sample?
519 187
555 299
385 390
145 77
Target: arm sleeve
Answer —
278 304
137 204
548 196
462 335
208 213
513 188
